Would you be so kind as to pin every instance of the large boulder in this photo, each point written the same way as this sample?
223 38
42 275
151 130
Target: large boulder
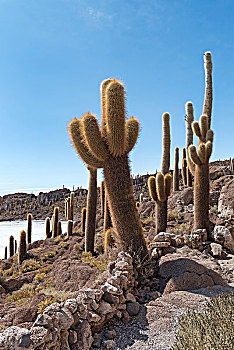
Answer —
222 235
226 199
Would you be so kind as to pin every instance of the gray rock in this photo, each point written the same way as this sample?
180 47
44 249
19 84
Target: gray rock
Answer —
109 344
71 305
133 308
110 334
12 337
223 236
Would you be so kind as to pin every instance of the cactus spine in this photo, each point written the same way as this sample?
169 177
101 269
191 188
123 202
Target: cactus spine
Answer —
176 170
11 245
47 224
90 224
160 186
184 168
55 220
22 251
102 196
200 158
69 227
5 257
29 228
108 149
83 219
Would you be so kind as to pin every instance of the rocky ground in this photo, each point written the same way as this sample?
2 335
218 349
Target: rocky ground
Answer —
188 271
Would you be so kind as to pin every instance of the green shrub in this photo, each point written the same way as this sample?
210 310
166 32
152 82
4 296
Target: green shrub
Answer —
100 263
210 330
173 215
30 265
44 303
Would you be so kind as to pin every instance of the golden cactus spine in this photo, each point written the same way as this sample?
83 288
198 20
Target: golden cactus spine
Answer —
90 225
69 227
11 245
184 168
108 149
176 179
83 219
47 225
29 228
200 158
55 220
22 251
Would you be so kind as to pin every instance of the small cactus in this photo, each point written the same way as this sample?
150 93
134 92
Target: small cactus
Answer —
5 257
83 219
29 228
55 219
69 227
47 225
11 246
22 251
176 170
59 228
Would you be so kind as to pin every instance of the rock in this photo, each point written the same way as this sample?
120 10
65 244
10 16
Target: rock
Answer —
109 298
72 338
217 250
2 290
14 338
44 321
71 305
130 297
97 339
223 236
38 336
125 316
162 237
133 308
190 208
84 336
104 308
109 344
159 245
110 334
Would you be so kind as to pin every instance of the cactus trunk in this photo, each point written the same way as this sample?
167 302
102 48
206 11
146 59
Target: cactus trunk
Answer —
29 228
176 171
161 216
91 211
83 219
5 253
123 209
201 197
22 251
107 217
11 245
102 196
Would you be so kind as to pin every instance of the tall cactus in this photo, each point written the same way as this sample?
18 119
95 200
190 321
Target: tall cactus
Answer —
176 170
200 158
55 220
5 256
107 217
161 184
184 167
83 219
208 98
59 228
90 225
69 227
102 198
22 251
29 228
11 246
15 246
108 149
189 118
47 225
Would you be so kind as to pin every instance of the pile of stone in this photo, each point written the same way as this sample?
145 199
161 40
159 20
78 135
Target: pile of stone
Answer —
76 323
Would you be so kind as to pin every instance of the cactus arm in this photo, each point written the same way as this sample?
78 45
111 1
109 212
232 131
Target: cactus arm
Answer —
166 143
152 188
132 132
203 127
202 152
208 150
104 85
115 109
75 131
160 188
196 129
193 155
209 135
167 184
93 137
208 98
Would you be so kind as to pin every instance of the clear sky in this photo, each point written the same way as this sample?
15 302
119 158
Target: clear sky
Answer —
55 53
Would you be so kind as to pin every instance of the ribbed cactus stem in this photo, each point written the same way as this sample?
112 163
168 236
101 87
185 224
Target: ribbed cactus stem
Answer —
90 225
176 170
208 98
5 256
55 222
47 225
102 198
83 219
166 144
69 227
189 118
29 228
11 246
22 251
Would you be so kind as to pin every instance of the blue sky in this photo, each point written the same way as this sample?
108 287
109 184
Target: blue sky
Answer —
55 53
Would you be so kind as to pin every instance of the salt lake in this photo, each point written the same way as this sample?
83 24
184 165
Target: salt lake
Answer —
8 228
